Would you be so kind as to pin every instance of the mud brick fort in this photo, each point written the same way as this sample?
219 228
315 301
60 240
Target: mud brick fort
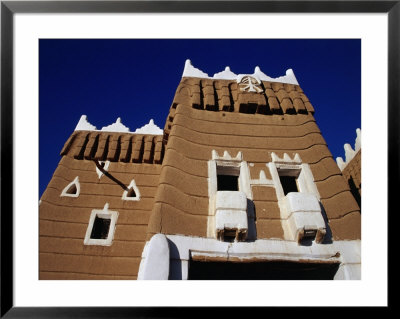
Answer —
239 184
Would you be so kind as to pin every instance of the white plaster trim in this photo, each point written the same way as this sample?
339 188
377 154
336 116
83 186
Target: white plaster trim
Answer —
135 188
229 163
226 74
102 213
226 156
286 159
262 181
349 151
150 128
84 125
348 253
305 182
105 167
155 259
116 127
190 71
75 182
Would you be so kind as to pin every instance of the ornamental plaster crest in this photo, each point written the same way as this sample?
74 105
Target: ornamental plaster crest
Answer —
249 83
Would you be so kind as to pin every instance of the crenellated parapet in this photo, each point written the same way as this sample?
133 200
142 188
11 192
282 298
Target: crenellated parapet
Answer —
349 151
115 143
244 93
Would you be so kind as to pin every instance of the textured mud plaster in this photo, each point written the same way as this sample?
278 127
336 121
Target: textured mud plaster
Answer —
155 259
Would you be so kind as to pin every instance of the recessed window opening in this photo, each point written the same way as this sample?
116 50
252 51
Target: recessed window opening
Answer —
131 192
289 184
72 190
101 228
229 235
228 178
227 183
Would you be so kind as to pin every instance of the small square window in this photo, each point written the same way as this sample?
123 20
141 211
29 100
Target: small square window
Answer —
101 227
227 183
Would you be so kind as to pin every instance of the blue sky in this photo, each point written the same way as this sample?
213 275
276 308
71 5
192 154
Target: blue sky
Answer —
136 80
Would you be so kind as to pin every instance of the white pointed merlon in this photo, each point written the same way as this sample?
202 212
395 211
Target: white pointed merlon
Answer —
286 158
340 163
191 71
262 175
358 140
150 128
116 127
84 125
226 156
349 151
274 157
262 181
226 74
297 158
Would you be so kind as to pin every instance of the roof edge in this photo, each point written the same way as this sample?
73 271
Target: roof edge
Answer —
191 71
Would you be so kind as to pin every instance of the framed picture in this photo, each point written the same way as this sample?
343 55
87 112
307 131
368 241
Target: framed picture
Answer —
74 45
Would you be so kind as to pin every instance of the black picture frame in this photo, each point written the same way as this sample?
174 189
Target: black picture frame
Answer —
9 8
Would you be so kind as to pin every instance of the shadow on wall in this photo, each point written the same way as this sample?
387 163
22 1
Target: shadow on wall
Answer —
251 221
328 235
175 265
354 191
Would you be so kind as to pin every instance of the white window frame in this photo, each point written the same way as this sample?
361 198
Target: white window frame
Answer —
135 188
229 166
75 182
106 214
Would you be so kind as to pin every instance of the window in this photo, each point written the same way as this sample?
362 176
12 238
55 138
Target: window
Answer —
131 192
289 184
227 183
72 189
101 227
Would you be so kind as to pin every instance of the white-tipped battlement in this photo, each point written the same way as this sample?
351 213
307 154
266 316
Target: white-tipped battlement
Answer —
150 128
286 159
226 156
227 74
349 152
84 125
116 127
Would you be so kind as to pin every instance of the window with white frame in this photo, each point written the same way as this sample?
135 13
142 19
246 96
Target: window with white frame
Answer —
72 189
131 192
101 227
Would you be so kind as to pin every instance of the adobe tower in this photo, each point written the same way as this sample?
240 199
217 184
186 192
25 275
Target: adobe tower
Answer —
239 184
